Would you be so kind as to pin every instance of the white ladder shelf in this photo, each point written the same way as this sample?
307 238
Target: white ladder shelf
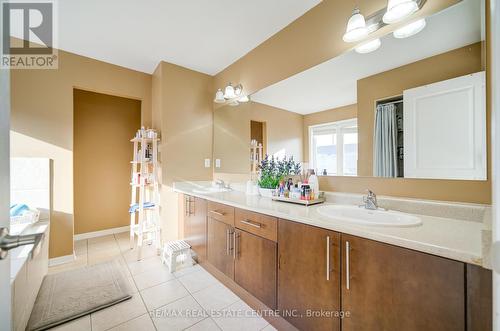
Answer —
145 196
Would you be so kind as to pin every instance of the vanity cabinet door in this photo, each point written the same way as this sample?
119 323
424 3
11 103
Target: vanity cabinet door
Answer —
255 266
385 287
220 246
195 226
309 276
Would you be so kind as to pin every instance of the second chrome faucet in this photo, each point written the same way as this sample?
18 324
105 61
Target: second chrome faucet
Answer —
370 201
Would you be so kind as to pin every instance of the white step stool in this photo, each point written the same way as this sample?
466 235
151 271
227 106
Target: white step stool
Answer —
177 254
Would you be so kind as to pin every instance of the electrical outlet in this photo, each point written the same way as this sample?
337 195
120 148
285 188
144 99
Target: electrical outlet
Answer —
217 163
207 163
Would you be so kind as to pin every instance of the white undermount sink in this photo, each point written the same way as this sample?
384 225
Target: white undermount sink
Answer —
210 189
360 215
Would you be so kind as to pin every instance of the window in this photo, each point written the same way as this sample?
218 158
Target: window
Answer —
334 147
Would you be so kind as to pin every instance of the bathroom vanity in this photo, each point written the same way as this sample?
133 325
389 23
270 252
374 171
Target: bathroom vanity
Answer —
322 274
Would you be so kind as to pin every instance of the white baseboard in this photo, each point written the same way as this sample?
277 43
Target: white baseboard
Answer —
87 235
61 260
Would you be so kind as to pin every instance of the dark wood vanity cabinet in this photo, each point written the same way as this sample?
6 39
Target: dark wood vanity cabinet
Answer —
309 276
238 247
255 266
385 287
195 226
220 246
324 280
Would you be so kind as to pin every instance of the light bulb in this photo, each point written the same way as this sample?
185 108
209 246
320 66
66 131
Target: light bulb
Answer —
369 46
238 89
356 27
410 29
229 92
219 96
398 10
244 98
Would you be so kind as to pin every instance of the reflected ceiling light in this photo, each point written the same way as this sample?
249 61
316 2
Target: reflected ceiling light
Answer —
219 96
369 46
398 10
410 29
356 27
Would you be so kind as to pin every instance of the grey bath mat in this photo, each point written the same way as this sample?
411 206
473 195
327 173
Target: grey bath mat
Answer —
68 295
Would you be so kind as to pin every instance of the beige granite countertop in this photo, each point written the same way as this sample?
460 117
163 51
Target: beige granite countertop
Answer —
454 236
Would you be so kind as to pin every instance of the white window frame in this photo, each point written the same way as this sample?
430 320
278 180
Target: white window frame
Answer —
344 126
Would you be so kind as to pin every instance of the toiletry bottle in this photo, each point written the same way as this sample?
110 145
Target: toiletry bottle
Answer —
303 188
281 191
314 184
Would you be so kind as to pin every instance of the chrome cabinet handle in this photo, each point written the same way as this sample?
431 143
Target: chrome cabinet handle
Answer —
254 224
192 203
234 245
227 241
217 212
347 248
186 200
327 257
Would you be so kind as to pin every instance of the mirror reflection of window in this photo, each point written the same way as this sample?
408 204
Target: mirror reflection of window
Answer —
334 148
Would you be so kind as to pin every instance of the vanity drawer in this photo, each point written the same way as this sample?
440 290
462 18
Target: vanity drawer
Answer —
258 224
221 212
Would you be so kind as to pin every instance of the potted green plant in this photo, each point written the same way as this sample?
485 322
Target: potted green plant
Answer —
272 171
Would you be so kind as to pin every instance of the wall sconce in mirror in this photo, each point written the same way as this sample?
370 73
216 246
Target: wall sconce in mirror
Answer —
233 96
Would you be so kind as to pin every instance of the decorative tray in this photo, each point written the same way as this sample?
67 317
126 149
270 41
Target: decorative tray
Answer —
320 199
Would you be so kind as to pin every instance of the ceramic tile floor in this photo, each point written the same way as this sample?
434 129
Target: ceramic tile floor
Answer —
189 299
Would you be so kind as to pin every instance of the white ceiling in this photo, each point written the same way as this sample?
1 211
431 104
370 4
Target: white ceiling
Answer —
333 83
202 35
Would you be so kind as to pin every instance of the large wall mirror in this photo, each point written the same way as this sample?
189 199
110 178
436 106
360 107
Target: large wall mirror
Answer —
413 108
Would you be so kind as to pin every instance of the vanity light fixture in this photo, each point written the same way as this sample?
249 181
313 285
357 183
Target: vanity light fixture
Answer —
231 95
356 27
368 47
410 29
398 10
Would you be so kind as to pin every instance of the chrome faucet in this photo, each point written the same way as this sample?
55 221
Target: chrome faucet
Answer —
370 201
222 185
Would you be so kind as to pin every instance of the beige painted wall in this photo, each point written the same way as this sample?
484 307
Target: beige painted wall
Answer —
232 134
42 123
182 109
330 115
310 40
103 126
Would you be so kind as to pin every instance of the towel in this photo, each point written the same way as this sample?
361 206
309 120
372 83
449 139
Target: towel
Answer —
18 209
135 207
